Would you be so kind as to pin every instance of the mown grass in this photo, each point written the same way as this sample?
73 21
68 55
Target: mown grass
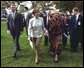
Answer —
26 55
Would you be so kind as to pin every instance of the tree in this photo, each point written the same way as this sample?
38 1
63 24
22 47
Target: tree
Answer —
68 5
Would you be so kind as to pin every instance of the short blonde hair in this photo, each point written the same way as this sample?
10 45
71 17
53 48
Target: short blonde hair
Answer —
35 10
52 12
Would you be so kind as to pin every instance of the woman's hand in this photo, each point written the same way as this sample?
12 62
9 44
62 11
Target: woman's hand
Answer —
8 32
46 33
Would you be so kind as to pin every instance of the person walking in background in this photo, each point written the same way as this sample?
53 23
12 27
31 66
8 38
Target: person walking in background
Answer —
46 18
46 21
27 16
76 29
65 29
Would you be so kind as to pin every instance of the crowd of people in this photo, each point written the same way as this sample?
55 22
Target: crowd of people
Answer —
52 25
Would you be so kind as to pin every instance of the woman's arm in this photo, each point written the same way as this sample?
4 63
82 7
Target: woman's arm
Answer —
30 28
44 29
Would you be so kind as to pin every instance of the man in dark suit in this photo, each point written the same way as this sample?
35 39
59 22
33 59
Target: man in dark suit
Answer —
65 28
46 18
76 29
27 17
15 26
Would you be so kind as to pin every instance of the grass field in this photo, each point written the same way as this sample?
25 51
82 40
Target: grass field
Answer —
26 55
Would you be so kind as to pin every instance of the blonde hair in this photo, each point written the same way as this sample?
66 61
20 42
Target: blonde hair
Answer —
35 10
53 12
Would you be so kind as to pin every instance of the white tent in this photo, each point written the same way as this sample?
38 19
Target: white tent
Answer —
31 10
27 4
8 10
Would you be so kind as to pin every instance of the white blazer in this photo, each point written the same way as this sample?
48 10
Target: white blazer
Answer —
36 27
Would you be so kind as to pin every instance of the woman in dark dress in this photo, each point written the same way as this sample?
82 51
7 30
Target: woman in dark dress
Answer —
65 29
55 35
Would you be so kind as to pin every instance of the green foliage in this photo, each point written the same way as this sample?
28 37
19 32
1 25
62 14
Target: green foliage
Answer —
62 5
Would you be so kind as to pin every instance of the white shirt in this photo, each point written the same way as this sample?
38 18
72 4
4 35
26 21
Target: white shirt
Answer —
25 14
13 14
48 18
8 11
77 16
36 27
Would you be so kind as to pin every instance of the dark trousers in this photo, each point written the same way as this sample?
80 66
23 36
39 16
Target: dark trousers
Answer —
46 41
82 42
80 38
74 40
27 30
16 35
64 40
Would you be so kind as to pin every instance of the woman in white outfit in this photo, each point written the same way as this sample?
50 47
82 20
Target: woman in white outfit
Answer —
35 32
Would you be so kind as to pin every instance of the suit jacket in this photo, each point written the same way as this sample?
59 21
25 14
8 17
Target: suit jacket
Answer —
15 24
46 21
80 19
29 16
65 25
76 27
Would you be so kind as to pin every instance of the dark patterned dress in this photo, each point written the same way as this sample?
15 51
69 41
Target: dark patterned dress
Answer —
55 35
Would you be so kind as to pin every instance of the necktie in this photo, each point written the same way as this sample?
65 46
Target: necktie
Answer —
13 15
48 19
75 21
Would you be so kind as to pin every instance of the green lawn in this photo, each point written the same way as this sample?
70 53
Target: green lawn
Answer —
26 55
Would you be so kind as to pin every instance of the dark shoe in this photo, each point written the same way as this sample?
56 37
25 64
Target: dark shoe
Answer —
56 61
65 49
52 54
36 61
74 50
45 44
14 56
19 49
